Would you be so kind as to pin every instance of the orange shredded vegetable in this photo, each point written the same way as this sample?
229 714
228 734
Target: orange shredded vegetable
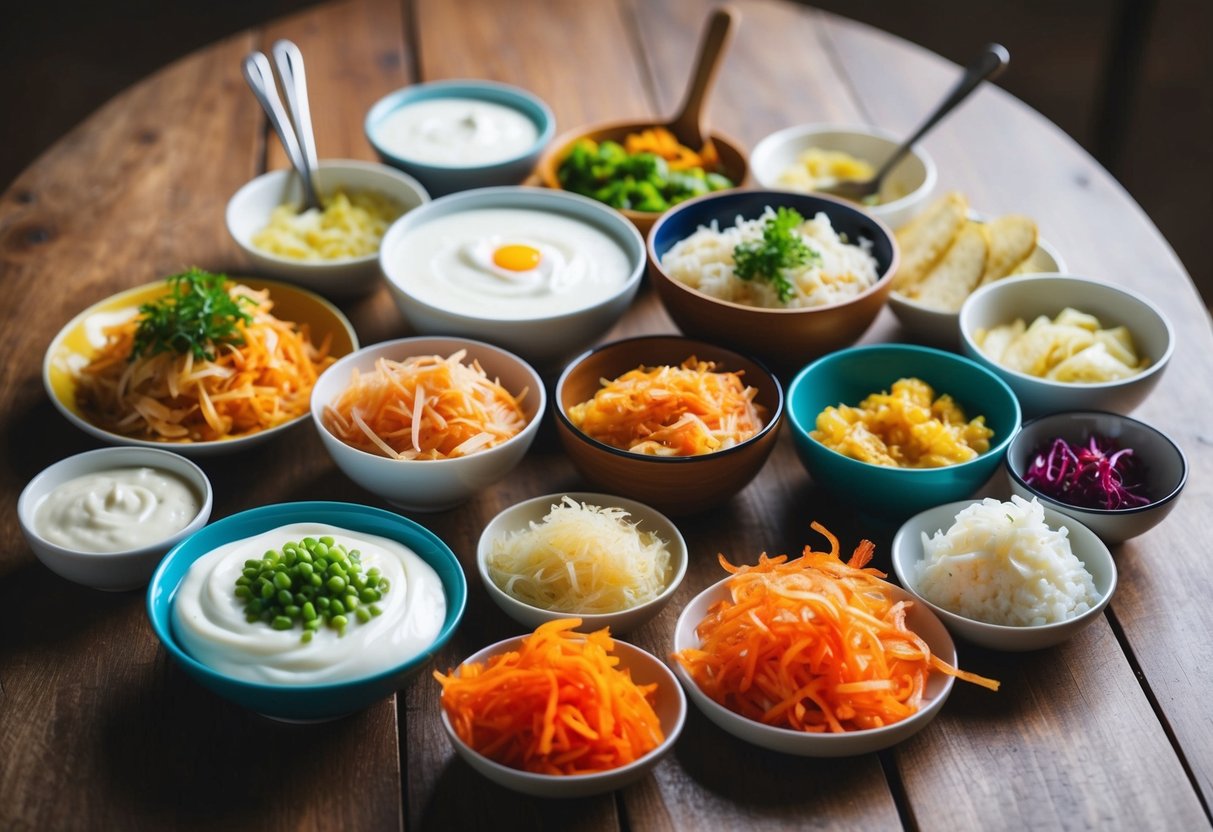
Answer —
671 411
425 407
814 644
661 142
251 386
557 705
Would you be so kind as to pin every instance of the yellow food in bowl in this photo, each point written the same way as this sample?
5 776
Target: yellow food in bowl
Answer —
907 427
1073 347
350 225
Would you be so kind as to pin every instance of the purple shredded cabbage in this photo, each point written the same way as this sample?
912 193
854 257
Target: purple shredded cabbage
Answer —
1096 474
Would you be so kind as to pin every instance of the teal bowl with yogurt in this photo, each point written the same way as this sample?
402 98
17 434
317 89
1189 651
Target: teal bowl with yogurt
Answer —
461 134
288 690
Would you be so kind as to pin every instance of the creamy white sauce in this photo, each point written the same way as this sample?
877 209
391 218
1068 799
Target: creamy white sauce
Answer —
457 132
208 618
447 263
116 510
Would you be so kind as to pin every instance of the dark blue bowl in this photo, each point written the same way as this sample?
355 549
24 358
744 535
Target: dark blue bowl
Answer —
304 702
849 376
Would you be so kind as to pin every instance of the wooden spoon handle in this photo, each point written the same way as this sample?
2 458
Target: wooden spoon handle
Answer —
689 125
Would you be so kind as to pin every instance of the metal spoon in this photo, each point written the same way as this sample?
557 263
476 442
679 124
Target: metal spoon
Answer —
992 60
297 139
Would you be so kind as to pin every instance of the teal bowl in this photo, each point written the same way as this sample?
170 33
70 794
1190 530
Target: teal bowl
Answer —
317 702
849 376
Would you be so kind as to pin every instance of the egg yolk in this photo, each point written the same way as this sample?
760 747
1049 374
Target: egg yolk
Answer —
517 258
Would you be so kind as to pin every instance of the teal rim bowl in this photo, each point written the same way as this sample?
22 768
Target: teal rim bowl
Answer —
316 702
444 179
849 376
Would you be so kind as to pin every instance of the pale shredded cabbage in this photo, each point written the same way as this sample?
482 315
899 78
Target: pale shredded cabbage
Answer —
1001 563
351 225
581 559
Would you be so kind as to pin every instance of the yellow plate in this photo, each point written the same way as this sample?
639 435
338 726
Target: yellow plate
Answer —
72 348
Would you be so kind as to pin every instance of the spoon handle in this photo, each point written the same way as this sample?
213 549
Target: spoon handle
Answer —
989 63
260 78
289 62
687 126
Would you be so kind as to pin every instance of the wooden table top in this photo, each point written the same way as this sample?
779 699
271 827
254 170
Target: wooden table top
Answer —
98 729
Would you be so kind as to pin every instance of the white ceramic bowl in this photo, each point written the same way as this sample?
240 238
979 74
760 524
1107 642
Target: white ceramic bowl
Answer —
431 484
111 571
542 340
519 517
1087 547
1166 469
914 177
941 328
670 705
1048 294
77 343
801 743
248 211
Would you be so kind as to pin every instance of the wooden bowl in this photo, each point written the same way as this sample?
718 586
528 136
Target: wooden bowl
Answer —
673 485
732 159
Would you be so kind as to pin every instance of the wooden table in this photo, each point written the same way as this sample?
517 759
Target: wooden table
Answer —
99 730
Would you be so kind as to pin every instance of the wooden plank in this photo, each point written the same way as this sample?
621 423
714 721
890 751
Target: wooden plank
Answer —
100 729
1007 158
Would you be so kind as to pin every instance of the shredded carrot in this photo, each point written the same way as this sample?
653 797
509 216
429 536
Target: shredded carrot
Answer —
661 142
425 407
814 644
671 411
263 381
558 704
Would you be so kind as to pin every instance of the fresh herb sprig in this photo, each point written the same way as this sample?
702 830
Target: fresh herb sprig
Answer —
195 316
780 248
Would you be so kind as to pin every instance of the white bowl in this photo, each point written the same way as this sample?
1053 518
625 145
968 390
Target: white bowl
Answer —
431 484
543 340
110 571
1047 294
248 211
938 327
914 177
519 516
670 705
1166 469
801 743
1087 547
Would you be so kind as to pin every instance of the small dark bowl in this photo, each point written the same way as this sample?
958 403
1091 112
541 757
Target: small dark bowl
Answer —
786 337
1166 469
673 485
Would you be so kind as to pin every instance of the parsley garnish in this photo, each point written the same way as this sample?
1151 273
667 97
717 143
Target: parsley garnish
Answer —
780 248
195 316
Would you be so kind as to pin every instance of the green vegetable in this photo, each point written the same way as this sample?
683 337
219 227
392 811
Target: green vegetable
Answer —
309 583
639 181
781 248
196 315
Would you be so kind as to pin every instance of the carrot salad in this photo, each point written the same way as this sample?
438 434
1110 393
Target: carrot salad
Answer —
671 411
425 407
558 704
661 142
258 376
814 644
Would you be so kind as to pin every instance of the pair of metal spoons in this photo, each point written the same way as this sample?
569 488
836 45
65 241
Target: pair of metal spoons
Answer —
295 131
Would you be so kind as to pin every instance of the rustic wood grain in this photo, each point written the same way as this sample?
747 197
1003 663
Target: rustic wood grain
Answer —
1007 158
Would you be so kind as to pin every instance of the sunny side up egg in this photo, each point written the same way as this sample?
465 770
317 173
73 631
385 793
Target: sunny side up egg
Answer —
516 260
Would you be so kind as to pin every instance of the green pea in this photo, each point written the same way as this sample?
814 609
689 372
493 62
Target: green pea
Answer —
336 583
336 607
364 615
306 637
309 611
282 580
284 597
244 592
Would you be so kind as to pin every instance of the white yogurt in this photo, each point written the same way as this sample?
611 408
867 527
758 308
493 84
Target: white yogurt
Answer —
456 132
208 618
449 263
116 510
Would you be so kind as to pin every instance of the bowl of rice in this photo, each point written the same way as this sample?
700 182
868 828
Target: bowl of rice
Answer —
711 258
333 250
1013 576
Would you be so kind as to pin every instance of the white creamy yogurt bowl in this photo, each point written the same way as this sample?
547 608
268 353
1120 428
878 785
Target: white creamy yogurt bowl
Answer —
438 262
126 568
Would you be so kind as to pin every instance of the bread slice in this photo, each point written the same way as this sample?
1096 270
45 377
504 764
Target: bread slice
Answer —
959 271
923 242
1012 241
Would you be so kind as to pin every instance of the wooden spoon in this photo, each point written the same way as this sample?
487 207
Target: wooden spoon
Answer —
689 126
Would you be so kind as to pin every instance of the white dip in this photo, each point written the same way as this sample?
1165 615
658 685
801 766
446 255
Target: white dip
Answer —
208 618
456 132
509 264
116 510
